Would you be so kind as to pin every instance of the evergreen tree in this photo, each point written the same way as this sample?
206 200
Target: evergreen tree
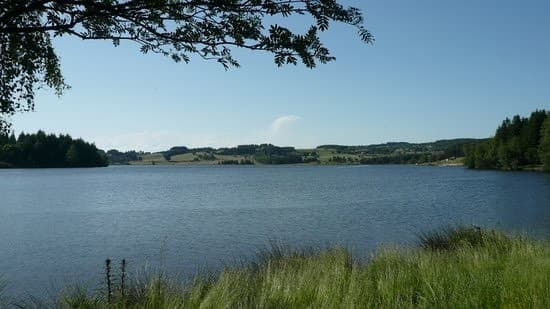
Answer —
515 144
72 156
4 139
544 148
42 150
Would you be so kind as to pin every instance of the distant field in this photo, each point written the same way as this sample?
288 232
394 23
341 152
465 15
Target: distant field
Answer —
325 156
443 152
188 158
148 159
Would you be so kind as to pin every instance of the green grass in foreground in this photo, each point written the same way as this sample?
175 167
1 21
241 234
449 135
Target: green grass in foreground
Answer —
456 268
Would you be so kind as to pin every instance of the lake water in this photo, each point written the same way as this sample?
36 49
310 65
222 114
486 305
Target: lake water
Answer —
58 225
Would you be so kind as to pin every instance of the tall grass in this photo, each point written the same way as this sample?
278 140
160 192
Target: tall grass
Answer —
456 268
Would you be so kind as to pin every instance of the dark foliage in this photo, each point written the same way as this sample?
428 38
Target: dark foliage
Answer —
452 238
451 147
42 150
264 154
409 153
236 162
517 143
116 157
239 150
390 153
310 160
178 29
175 151
269 154
544 147
342 160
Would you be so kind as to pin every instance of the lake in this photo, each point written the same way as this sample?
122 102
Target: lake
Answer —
58 225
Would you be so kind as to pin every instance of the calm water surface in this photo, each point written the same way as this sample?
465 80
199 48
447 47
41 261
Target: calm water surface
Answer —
58 225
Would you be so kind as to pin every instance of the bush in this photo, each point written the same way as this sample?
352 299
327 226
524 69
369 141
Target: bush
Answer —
453 238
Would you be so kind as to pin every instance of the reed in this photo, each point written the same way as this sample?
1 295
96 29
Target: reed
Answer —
456 268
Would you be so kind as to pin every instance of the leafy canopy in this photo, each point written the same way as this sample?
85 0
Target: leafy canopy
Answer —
174 28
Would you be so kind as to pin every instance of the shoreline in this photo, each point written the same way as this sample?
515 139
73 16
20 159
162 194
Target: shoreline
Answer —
453 267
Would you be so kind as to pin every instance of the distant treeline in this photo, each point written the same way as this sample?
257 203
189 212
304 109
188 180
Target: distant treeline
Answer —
236 162
175 151
517 143
117 157
410 158
48 150
264 153
269 154
451 147
399 152
389 153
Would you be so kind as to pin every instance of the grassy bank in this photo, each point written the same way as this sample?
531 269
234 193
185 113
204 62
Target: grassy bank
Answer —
458 268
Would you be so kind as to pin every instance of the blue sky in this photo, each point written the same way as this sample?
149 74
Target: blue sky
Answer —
438 69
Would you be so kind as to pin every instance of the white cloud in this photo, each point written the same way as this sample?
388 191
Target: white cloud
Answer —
278 133
279 124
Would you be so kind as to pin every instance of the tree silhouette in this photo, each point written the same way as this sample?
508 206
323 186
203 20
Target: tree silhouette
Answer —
517 143
48 150
544 148
174 28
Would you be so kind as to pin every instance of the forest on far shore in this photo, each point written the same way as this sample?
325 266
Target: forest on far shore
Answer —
41 150
446 151
519 143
